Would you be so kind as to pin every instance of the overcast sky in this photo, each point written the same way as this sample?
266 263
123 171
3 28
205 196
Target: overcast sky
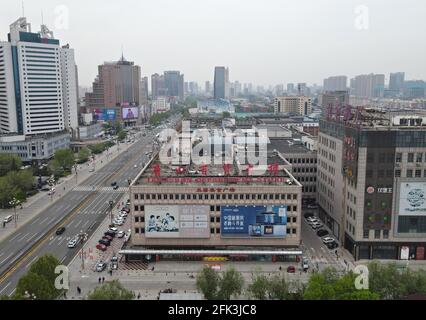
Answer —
261 41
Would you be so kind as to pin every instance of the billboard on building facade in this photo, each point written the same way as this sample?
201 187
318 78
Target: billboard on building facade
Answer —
267 221
104 114
130 113
412 199
177 221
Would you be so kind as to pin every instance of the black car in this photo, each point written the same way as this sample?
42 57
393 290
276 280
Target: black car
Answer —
113 184
115 187
332 245
60 231
308 214
322 233
109 233
105 242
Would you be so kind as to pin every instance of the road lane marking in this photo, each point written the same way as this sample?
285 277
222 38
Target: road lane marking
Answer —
35 220
27 234
44 220
15 236
29 239
5 287
78 223
6 258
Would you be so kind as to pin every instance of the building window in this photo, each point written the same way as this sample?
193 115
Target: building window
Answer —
136 208
410 157
212 208
419 157
211 230
385 234
366 234
409 173
293 231
136 196
211 219
217 230
397 173
376 234
218 219
418 173
136 230
136 219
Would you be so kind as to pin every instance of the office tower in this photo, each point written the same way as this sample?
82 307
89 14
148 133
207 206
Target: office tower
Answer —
333 99
279 90
368 85
290 88
337 83
396 81
116 83
303 90
297 105
193 88
158 86
207 88
69 85
238 89
221 83
41 90
371 181
174 83
143 91
414 89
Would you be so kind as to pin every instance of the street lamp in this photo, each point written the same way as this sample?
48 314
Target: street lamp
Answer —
111 205
15 202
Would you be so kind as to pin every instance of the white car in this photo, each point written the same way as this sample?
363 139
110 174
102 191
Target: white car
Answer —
124 215
113 229
316 225
72 243
312 221
120 234
328 240
118 223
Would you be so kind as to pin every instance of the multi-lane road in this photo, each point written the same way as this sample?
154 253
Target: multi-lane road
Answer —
79 210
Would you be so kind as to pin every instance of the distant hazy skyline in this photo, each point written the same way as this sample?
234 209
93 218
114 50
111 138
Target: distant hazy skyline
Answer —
265 42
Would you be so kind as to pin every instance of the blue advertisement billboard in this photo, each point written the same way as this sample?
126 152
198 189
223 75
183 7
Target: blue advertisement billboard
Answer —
104 114
267 221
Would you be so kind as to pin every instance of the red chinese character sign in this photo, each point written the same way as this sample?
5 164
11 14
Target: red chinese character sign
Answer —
227 169
273 169
204 169
157 170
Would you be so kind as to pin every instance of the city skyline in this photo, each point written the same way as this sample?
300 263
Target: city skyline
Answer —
231 26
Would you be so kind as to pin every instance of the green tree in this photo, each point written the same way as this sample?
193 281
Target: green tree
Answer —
7 192
9 162
83 155
226 114
22 180
65 158
230 284
122 135
385 280
278 288
40 279
55 168
259 287
112 290
208 283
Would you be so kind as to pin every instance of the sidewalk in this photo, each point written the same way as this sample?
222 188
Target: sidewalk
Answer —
39 202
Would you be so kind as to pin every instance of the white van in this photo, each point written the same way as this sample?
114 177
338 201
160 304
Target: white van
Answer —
7 219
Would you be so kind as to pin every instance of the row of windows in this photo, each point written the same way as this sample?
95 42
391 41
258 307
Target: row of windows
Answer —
411 157
410 173
216 219
276 196
212 208
302 160
377 234
304 170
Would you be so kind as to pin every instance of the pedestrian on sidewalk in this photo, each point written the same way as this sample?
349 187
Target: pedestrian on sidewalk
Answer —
103 279
139 295
78 290
99 280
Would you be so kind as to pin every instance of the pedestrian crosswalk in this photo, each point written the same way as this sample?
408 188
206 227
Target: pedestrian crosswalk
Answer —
134 265
100 189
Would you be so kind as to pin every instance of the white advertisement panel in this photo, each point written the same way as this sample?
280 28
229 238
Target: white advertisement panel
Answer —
412 201
173 221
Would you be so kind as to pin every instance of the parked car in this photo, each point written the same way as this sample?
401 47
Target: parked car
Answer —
105 242
113 229
312 206
291 269
326 240
322 233
113 184
109 233
107 237
100 266
120 234
332 245
60 231
101 247
115 187
308 214
316 225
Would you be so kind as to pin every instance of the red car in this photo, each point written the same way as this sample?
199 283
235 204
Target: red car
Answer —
291 269
101 247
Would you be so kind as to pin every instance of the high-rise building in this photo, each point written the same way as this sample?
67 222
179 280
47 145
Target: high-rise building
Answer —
40 87
174 83
116 83
368 85
221 83
297 105
207 88
396 81
337 83
143 92
158 86
371 182
69 86
290 88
